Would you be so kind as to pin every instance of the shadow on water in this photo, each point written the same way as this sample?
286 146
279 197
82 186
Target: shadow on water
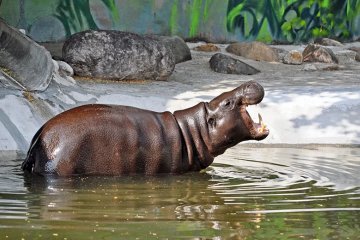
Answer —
252 193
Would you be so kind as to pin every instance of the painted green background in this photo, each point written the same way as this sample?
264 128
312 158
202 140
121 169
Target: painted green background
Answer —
214 20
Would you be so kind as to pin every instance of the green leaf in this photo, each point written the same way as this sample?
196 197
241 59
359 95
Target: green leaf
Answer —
235 12
290 15
264 33
195 17
286 26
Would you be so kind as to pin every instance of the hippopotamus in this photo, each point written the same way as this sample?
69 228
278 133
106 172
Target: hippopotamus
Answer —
98 139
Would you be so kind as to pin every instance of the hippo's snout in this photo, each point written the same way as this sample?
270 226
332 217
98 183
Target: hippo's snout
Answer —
252 93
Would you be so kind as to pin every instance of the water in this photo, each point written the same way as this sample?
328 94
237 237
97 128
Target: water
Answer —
249 193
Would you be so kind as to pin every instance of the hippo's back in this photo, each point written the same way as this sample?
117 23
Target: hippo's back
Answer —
107 140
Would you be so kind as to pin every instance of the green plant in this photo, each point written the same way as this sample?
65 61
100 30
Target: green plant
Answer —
292 20
306 19
259 20
76 16
199 13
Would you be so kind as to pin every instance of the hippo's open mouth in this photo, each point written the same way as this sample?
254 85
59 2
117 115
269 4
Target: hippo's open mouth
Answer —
258 131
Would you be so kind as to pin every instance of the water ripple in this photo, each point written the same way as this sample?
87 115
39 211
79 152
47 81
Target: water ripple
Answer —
252 193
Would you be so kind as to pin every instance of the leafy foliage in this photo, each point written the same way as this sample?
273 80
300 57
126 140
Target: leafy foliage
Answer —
293 21
265 20
76 16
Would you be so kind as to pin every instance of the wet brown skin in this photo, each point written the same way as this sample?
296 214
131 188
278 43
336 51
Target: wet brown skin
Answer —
117 140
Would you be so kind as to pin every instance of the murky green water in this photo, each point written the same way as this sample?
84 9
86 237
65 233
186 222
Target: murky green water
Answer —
249 193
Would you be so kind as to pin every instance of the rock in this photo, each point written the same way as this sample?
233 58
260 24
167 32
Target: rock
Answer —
177 45
225 64
30 64
317 53
208 47
55 49
293 57
65 69
280 52
331 67
60 76
47 28
110 54
254 50
309 67
345 56
357 51
328 42
322 67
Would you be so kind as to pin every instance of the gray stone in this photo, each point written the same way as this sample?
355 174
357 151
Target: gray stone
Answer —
55 49
281 53
177 45
109 54
47 28
357 51
328 42
65 69
208 47
63 73
318 53
345 56
310 67
225 64
30 64
254 50
322 67
293 57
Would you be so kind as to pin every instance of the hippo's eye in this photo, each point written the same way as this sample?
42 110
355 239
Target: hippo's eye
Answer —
228 104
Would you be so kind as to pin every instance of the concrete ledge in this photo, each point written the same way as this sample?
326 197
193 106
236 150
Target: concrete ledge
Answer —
30 63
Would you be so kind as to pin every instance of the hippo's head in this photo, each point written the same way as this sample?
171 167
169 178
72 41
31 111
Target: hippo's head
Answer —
228 120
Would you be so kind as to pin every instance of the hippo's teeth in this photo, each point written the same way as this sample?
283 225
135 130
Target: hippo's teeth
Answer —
262 124
260 118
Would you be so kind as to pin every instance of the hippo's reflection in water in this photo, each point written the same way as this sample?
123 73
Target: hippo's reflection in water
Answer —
187 197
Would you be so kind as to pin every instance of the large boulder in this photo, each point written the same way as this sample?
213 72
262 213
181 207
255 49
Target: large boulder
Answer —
253 50
177 45
328 42
225 64
357 51
24 64
117 55
318 53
